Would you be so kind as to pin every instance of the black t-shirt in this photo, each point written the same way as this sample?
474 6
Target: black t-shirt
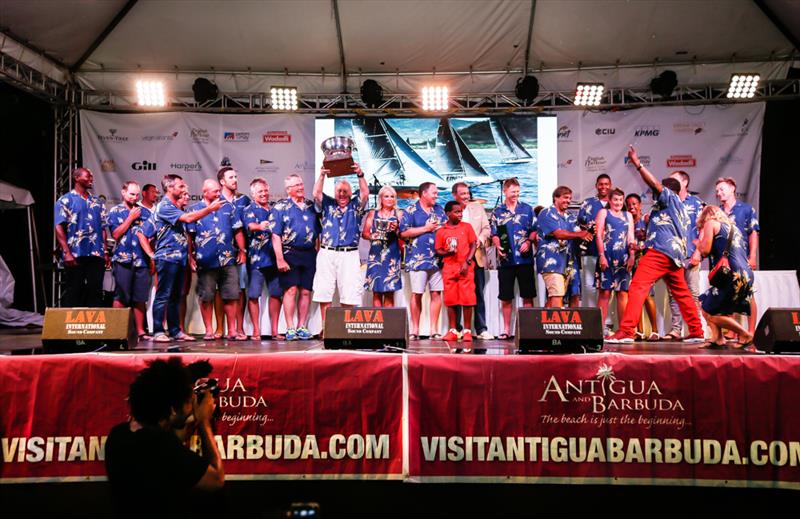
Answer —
151 472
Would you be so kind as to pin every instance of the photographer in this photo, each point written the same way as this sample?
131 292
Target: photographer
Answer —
145 457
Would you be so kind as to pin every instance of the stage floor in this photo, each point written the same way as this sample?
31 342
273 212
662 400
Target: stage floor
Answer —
28 340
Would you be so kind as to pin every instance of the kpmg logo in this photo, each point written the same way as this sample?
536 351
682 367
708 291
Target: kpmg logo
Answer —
681 161
595 164
563 132
199 135
647 131
605 131
144 166
169 137
112 137
277 137
186 166
693 128
236 136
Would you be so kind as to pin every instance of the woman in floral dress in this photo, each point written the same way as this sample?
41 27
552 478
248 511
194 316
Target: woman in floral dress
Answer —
383 262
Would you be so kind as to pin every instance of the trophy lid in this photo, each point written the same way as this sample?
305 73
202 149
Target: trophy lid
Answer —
337 143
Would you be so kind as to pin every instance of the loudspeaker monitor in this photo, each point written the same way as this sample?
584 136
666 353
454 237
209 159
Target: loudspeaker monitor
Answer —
367 328
559 330
71 330
778 331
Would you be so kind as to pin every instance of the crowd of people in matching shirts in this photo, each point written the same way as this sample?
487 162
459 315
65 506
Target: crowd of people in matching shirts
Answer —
305 250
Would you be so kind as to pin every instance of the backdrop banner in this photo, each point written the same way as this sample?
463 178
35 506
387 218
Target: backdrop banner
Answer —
145 147
706 141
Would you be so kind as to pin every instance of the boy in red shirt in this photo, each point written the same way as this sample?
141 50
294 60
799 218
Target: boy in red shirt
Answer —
456 243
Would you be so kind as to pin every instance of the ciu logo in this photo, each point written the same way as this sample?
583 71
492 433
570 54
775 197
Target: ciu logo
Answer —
85 316
363 316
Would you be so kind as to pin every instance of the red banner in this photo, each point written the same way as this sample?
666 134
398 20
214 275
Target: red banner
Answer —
696 420
281 415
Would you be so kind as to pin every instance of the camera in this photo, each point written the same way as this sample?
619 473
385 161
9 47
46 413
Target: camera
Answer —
207 384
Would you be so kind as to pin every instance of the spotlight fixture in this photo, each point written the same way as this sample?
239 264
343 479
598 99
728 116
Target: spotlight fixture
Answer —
435 98
527 89
743 86
588 94
284 98
150 93
663 84
204 90
371 93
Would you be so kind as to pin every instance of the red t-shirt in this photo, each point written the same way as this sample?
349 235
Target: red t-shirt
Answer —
464 236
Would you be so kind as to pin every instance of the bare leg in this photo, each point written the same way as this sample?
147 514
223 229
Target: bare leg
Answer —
729 323
206 311
241 303
555 302
388 299
622 302
274 315
527 303
289 306
139 311
575 301
436 310
252 307
377 299
416 310
229 306
650 309
452 318
603 297
219 313
506 309
751 322
323 310
302 307
467 316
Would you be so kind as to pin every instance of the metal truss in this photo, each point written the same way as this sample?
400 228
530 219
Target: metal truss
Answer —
410 104
30 80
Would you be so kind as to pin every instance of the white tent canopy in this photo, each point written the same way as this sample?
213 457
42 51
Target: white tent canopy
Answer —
11 198
478 46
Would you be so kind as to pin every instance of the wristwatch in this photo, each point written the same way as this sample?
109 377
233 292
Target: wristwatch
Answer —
360 175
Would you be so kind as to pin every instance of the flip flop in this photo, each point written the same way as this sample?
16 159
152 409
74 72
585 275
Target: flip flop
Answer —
671 337
503 337
413 337
184 337
238 338
653 337
210 337
145 337
161 337
436 337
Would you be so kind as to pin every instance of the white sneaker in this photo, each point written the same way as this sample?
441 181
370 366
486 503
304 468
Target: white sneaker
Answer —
485 336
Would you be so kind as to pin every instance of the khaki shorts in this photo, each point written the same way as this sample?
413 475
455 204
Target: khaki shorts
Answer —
555 284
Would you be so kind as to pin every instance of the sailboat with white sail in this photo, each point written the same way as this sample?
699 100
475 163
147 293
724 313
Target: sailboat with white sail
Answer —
454 161
511 151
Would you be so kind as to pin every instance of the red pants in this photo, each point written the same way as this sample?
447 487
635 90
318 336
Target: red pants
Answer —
653 266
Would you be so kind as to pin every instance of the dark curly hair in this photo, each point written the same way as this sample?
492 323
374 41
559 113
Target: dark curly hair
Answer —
162 386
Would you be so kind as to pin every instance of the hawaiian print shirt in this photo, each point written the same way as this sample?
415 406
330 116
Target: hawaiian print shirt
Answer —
259 248
213 236
519 224
85 219
421 253
694 206
170 235
552 253
587 214
666 231
128 251
340 225
745 218
298 227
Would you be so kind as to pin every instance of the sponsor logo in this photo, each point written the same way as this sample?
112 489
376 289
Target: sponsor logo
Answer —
305 166
112 136
796 321
647 131
199 135
238 403
144 166
690 128
595 164
107 166
564 132
565 164
266 166
85 322
236 136
277 137
186 166
681 161
644 159
360 322
170 137
743 129
730 158
605 131
642 400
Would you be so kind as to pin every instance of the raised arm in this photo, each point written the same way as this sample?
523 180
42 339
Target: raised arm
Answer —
645 173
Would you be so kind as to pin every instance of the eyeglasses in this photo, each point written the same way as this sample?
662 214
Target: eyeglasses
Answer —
293 186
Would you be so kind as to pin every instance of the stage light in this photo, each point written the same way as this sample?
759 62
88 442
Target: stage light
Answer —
743 86
435 98
663 84
371 93
204 90
527 89
589 94
284 98
150 93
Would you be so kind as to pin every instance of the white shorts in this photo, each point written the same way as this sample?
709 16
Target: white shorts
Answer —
340 269
420 279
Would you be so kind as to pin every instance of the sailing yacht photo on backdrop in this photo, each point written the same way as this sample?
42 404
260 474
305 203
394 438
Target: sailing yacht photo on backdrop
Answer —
480 151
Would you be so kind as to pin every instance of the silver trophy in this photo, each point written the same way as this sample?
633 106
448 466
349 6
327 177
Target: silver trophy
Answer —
382 226
338 152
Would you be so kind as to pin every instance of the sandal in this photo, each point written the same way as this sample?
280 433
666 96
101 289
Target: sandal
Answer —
161 337
413 337
145 337
436 337
671 337
184 337
237 338
210 337
653 337
503 337
255 337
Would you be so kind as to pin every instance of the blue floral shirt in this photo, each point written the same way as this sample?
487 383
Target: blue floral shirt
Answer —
213 235
666 231
694 206
128 251
587 213
298 227
421 253
85 219
171 243
259 247
745 218
552 253
519 224
340 225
